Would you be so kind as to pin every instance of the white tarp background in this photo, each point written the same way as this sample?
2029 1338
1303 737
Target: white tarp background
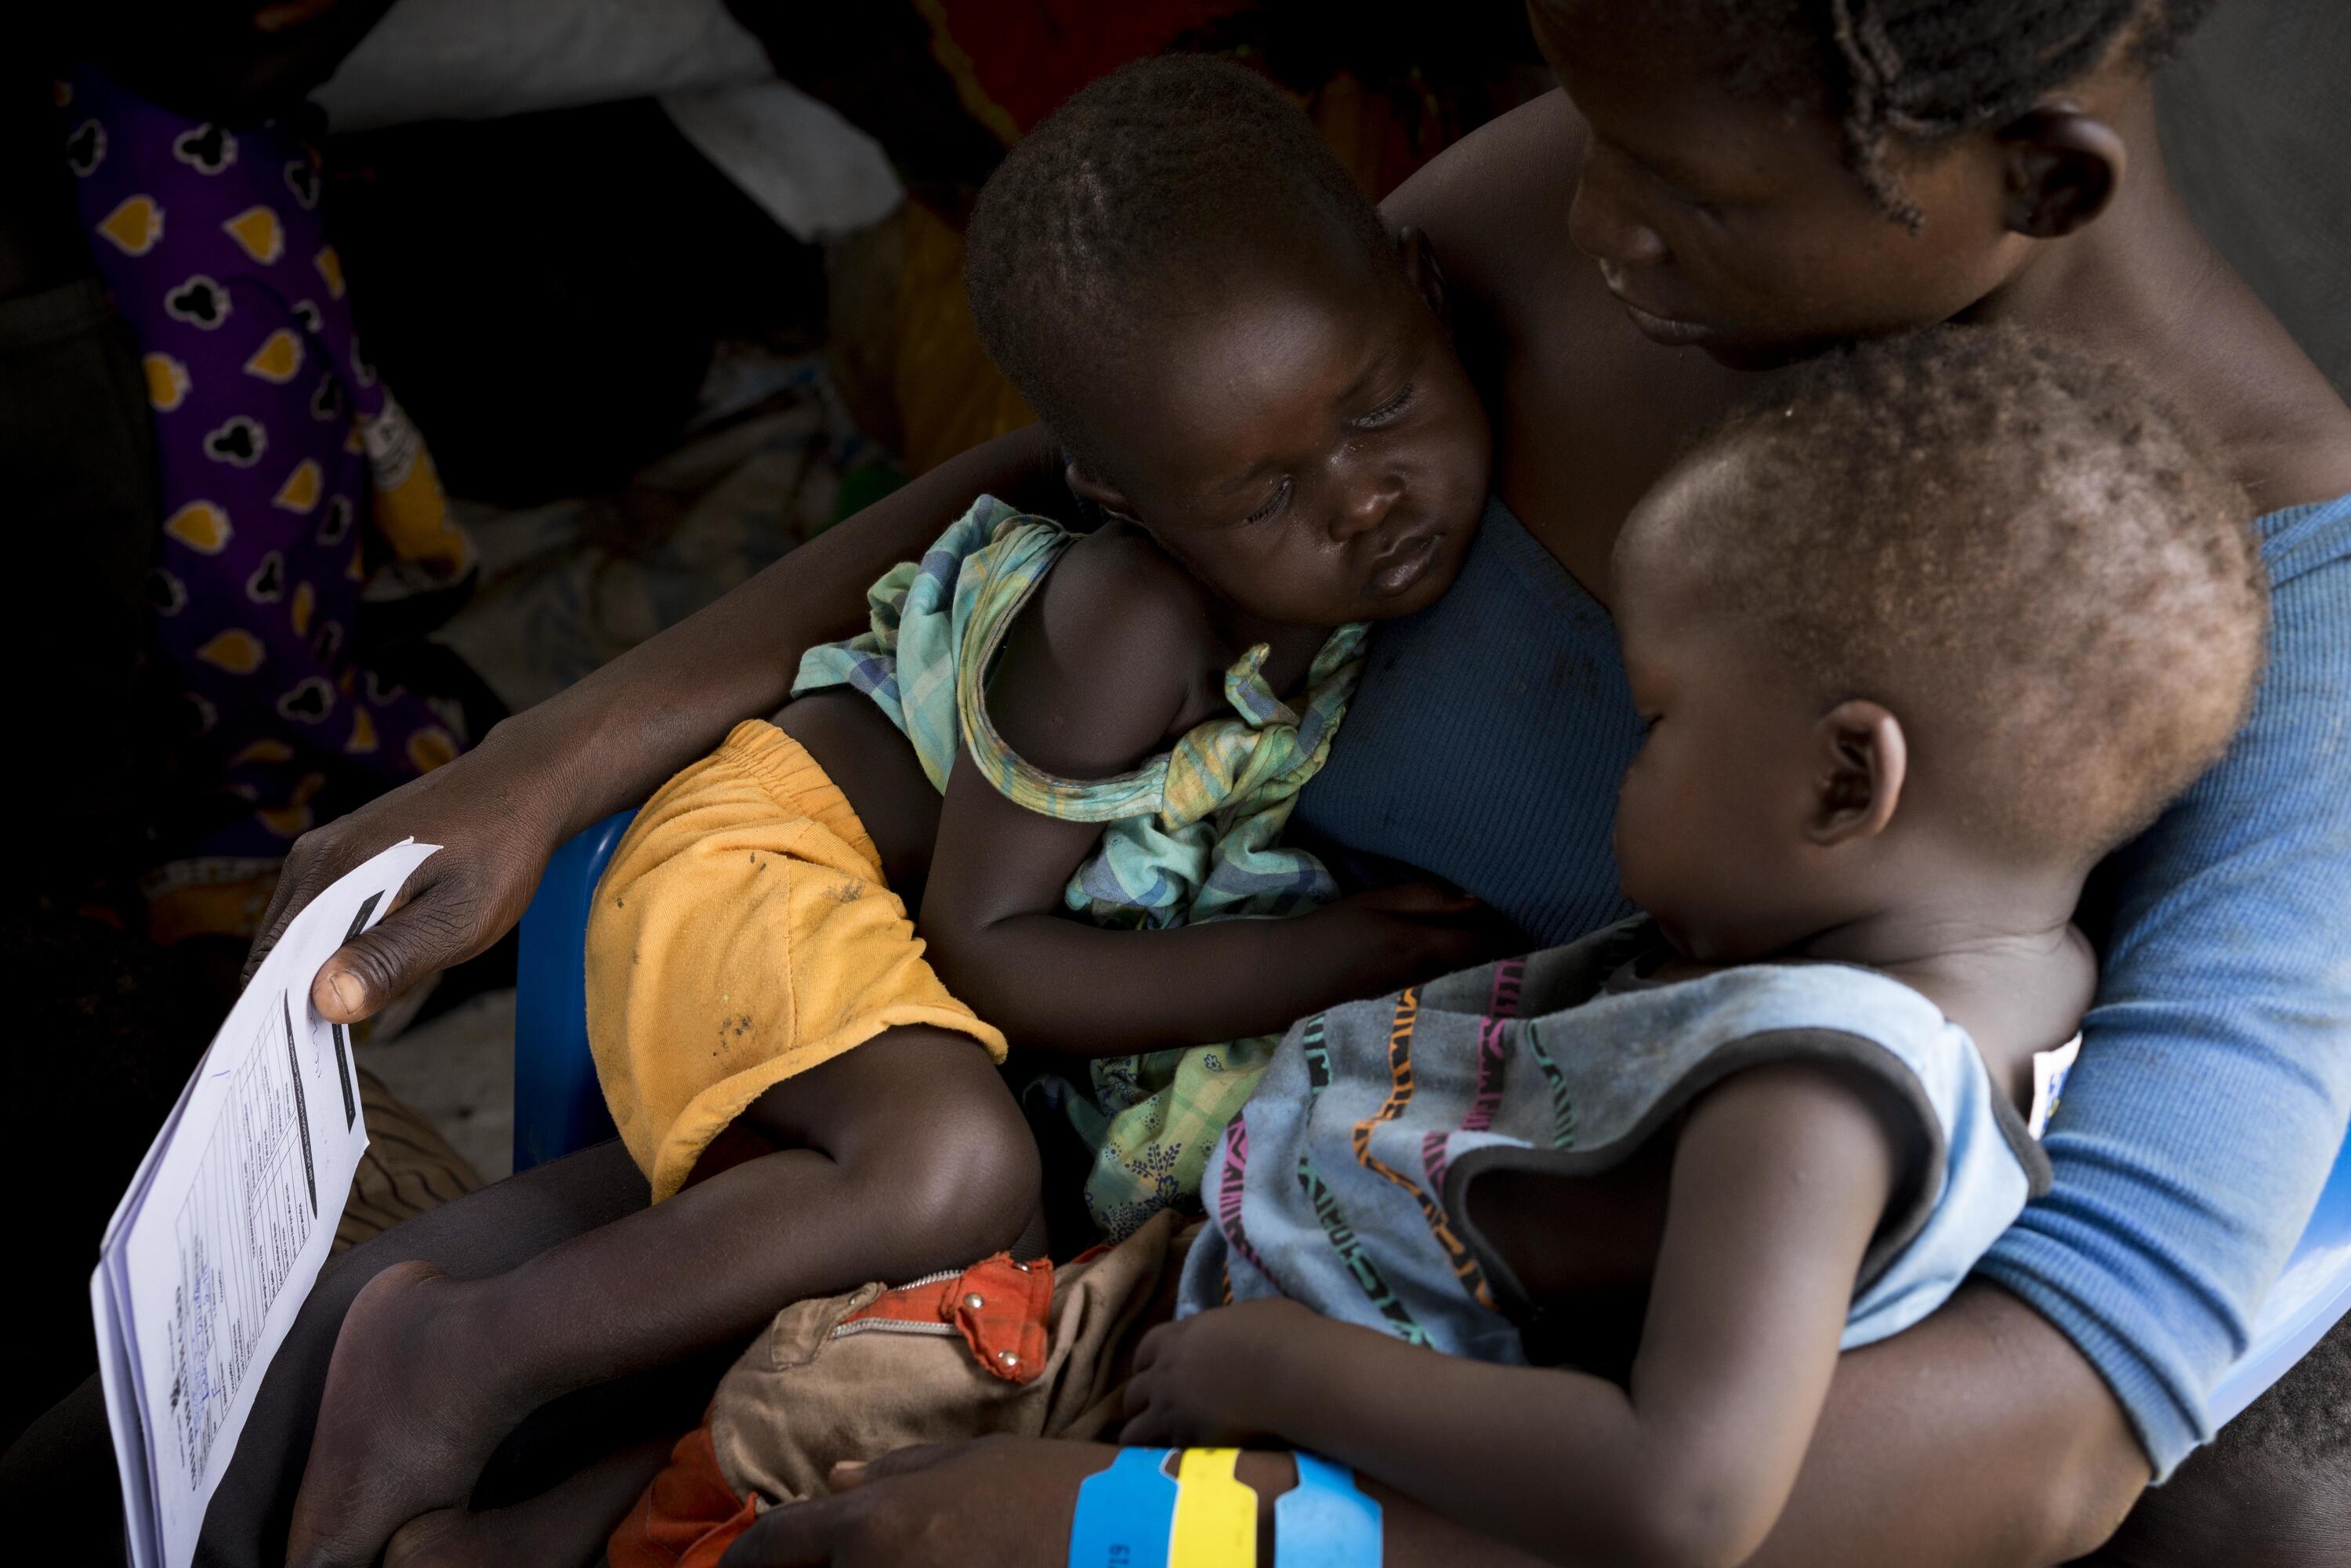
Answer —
810 170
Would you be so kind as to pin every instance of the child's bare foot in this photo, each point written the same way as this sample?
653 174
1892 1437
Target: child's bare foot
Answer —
411 1413
565 1526
452 1538
499 1537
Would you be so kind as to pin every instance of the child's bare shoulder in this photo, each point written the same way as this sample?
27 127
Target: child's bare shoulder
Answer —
1117 584
1116 655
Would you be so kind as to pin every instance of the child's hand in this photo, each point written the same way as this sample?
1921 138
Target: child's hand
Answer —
1415 931
1206 1380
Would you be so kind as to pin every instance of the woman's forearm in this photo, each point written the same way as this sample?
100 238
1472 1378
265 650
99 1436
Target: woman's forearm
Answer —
617 734
1979 1439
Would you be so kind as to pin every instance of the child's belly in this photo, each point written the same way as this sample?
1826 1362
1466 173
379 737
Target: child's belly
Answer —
872 764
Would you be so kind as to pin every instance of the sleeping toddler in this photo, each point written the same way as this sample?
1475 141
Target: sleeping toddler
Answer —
1074 753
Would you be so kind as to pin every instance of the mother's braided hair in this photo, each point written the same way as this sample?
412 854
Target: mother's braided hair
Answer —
1926 70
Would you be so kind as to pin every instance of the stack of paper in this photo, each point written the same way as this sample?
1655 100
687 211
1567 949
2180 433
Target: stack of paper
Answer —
210 1252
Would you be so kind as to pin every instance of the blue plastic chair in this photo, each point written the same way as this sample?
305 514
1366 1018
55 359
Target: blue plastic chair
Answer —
559 1108
558 1105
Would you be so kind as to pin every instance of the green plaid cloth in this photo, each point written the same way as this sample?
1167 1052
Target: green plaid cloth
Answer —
1189 836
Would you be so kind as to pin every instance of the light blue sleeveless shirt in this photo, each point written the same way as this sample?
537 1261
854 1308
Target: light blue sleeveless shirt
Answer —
1343 1183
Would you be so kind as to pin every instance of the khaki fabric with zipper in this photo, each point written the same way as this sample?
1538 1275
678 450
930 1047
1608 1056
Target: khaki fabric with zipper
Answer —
819 1388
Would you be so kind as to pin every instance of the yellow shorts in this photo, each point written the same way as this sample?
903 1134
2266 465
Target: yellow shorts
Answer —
742 934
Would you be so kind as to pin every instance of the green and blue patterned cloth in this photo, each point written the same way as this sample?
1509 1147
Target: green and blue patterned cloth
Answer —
1190 836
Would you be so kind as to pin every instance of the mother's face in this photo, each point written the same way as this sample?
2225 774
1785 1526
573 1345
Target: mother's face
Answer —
1729 221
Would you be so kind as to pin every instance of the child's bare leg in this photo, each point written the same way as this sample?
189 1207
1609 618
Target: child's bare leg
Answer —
902 1156
565 1526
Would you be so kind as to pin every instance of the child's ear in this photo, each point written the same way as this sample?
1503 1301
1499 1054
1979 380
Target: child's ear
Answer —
2063 169
1108 497
1861 760
1420 266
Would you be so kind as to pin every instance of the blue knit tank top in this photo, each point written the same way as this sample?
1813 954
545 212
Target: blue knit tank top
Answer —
1486 743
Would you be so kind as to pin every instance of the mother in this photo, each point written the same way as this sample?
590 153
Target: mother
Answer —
1753 179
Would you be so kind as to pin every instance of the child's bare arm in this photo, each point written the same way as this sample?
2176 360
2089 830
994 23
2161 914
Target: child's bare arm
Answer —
1098 676
992 915
1780 1176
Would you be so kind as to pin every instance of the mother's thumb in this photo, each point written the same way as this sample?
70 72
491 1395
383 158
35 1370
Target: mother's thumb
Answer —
366 972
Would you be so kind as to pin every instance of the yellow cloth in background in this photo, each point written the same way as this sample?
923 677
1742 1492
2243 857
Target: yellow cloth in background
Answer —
411 509
743 933
950 395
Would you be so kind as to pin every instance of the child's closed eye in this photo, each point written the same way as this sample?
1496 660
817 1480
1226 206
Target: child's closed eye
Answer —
1386 411
1273 504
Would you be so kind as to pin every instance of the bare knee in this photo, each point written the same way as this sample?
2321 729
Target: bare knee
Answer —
928 1139
974 1182
948 1194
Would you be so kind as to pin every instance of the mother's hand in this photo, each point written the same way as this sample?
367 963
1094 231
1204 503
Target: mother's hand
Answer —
993 1502
498 812
501 809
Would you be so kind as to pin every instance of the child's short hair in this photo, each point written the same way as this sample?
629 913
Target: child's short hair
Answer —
2013 536
1106 212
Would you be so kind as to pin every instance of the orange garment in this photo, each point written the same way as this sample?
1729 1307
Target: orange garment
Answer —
743 933
687 1517
692 1513
1027 1349
999 1306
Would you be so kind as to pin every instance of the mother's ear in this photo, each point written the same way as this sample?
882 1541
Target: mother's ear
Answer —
1861 761
1421 268
2062 167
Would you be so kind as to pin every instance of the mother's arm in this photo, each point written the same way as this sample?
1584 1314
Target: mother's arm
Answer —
2215 1077
1978 1439
500 810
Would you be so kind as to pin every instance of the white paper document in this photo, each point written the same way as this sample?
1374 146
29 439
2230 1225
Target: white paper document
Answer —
211 1250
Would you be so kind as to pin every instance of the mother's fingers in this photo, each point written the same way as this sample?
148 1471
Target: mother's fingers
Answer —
1147 1349
310 866
915 1457
797 1535
1148 1428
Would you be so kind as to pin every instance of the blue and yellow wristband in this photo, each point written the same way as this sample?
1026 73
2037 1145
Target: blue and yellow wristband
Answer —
1136 1515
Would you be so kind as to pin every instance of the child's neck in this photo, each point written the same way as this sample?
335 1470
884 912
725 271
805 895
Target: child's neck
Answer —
1999 954
1293 647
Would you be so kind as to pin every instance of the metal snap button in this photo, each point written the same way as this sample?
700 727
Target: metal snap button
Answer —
973 1301
1009 1358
